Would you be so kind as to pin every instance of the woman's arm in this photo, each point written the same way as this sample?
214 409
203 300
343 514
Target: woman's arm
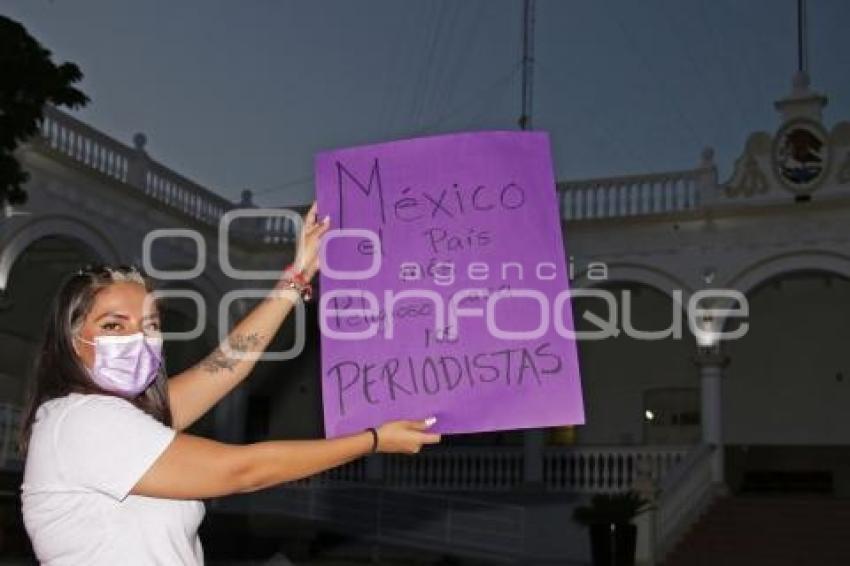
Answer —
196 390
193 467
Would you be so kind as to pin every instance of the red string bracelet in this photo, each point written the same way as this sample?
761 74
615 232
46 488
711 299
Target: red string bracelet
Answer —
296 280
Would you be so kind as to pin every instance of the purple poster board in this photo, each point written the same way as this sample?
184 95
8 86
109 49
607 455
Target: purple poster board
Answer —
463 226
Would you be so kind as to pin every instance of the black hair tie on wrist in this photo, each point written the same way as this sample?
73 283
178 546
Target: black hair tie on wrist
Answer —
374 439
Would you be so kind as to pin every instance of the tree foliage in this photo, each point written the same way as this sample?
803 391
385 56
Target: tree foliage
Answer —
28 80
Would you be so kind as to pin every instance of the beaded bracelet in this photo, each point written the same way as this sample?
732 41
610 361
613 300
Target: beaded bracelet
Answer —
296 280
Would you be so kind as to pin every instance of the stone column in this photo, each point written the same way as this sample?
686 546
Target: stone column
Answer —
711 361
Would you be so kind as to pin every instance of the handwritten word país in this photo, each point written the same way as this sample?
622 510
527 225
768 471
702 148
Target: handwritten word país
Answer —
441 240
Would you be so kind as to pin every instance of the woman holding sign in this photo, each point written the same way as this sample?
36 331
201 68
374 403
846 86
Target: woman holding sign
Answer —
111 477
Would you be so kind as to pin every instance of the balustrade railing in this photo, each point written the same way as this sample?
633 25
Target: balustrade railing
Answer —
179 193
85 145
588 199
457 469
600 469
95 150
630 196
580 469
683 496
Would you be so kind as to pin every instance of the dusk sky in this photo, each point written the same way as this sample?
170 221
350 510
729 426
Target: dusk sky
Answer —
242 94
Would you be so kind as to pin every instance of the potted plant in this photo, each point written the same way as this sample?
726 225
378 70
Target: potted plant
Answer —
613 536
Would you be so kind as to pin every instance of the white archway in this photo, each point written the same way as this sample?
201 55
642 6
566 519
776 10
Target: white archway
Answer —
783 385
767 268
624 272
61 226
799 260
619 372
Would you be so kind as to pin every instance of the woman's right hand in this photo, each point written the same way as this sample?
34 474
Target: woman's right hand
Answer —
405 437
309 242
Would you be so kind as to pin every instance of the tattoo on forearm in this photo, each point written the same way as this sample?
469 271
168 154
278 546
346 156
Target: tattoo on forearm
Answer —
218 360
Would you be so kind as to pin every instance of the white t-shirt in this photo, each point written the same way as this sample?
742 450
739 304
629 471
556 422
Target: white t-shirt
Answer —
85 454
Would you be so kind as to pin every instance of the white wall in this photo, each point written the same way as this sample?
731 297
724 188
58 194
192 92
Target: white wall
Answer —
617 371
780 385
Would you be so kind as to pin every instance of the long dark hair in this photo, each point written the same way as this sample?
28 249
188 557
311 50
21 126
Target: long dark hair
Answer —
59 371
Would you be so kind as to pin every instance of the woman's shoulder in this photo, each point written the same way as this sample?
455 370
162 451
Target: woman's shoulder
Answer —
60 406
79 418
56 405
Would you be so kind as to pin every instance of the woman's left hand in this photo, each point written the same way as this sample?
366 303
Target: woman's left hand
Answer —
309 240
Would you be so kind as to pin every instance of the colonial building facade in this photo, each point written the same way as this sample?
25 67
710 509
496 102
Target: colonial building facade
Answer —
688 405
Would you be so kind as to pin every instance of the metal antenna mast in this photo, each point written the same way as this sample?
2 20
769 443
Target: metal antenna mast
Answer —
802 39
527 64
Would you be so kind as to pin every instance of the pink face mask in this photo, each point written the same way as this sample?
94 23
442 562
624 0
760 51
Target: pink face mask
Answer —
125 364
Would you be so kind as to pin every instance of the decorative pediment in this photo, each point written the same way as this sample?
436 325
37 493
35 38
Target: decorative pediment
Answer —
800 158
748 176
